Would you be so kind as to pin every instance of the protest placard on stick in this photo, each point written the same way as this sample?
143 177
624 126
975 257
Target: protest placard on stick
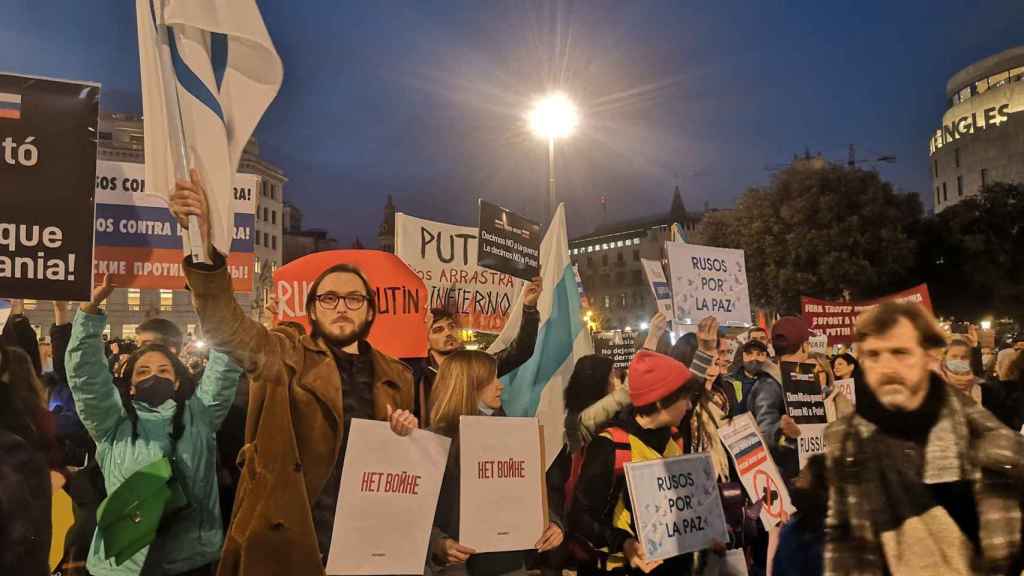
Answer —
758 473
509 243
708 281
805 404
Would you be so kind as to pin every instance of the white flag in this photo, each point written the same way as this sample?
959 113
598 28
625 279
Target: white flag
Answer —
220 69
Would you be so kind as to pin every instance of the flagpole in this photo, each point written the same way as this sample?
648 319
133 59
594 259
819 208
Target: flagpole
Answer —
176 133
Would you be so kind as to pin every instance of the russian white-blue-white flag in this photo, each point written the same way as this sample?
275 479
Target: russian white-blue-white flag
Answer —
536 388
224 72
5 311
677 233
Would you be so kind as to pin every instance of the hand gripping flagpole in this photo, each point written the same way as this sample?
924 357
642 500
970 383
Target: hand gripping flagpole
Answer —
176 133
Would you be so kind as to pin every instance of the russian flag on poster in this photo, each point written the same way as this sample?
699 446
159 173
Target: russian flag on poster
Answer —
10 106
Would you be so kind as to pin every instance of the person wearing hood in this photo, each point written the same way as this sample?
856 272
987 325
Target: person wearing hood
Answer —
922 480
155 411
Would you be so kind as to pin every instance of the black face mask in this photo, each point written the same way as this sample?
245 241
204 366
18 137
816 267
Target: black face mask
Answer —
154 390
753 367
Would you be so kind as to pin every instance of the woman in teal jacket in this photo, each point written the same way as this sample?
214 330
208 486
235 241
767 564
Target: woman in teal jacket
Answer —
156 409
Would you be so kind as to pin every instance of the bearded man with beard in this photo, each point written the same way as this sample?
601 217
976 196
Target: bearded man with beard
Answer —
921 480
304 392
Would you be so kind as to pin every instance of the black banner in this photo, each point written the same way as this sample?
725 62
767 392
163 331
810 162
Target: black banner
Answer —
508 242
47 181
805 402
621 347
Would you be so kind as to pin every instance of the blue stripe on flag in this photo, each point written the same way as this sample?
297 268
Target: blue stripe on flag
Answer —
555 339
10 106
190 81
219 55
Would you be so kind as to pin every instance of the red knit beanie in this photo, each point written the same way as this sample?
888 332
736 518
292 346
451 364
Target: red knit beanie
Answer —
653 376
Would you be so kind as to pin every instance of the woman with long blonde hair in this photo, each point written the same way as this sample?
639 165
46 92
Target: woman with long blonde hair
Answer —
467 385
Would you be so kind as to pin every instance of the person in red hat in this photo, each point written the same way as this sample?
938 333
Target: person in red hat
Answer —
662 391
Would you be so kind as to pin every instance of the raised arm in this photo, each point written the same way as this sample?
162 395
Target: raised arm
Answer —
96 398
217 388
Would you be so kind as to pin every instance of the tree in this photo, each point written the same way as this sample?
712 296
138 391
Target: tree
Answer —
819 232
972 254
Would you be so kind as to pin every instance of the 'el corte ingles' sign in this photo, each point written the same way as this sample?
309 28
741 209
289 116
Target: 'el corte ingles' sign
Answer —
977 120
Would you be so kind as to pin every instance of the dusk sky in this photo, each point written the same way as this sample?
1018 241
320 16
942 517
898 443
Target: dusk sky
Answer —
425 100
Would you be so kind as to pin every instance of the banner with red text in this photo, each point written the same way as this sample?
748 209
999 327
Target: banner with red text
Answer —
836 319
401 297
501 483
445 257
140 241
389 490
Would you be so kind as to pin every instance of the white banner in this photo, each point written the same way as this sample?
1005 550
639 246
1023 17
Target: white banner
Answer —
676 505
445 257
708 281
389 491
502 491
758 472
659 286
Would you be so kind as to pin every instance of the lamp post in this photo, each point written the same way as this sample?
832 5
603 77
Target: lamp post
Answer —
552 117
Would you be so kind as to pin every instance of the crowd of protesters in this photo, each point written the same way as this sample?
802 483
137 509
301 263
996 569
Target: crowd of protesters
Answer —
225 457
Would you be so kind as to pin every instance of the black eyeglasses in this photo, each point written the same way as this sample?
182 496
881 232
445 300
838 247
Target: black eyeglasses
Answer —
329 301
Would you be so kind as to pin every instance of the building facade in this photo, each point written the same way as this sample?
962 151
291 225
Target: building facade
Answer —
299 242
120 139
981 139
608 261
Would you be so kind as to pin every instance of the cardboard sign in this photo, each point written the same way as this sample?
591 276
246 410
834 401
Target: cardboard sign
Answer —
676 505
508 242
47 169
386 476
708 281
401 297
659 286
758 473
444 257
618 345
836 319
818 344
139 240
503 498
847 388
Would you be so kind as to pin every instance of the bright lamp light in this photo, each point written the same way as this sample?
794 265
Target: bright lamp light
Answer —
553 116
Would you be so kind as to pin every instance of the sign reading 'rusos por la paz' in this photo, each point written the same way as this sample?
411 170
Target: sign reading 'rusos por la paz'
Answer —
836 319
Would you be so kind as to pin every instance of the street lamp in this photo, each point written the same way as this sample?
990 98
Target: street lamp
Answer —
553 116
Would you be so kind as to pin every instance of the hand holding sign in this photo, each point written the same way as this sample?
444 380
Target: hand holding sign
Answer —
532 292
551 539
402 421
789 426
451 552
634 554
707 335
658 327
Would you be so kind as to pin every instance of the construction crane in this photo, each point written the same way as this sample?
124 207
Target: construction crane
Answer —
852 161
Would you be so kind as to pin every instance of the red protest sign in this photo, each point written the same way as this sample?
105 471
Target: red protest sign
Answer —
401 296
836 319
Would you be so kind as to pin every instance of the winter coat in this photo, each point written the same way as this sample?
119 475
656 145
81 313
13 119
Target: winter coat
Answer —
195 536
767 406
294 428
24 508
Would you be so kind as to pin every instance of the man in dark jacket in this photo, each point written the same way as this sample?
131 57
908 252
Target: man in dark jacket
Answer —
443 339
922 480
752 361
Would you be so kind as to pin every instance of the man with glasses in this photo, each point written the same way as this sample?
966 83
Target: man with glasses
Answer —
304 392
443 339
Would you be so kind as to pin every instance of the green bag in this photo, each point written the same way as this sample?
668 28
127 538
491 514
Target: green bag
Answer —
129 518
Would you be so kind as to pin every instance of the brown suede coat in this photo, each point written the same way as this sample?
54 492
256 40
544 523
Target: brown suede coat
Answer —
293 430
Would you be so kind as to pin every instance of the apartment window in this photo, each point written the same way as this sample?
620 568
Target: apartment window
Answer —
959 186
620 277
273 242
166 300
984 177
273 216
190 330
590 260
624 300
30 304
1017 74
265 217
981 86
256 266
128 331
636 241
134 301
620 258
997 80
956 157
965 93
935 168
604 259
636 255
945 193
607 301
938 199
638 277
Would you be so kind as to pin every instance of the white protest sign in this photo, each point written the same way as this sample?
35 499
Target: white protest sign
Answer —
676 505
708 281
819 344
847 388
810 442
501 480
659 286
445 257
389 491
758 472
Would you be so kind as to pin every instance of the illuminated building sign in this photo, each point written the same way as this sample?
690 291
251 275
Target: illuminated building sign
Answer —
969 124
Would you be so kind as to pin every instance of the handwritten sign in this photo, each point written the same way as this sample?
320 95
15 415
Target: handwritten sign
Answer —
708 281
676 505
386 476
758 473
501 480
